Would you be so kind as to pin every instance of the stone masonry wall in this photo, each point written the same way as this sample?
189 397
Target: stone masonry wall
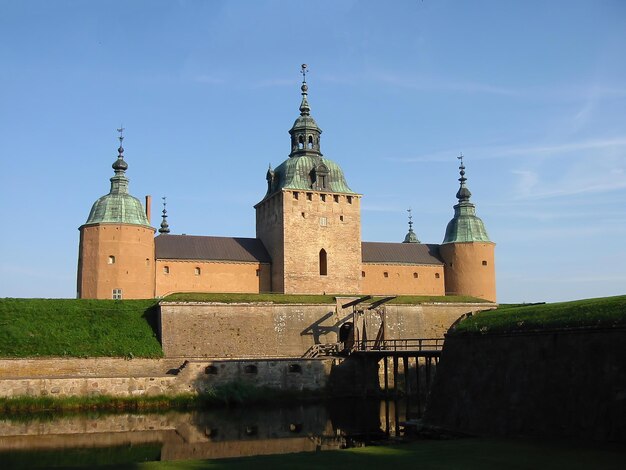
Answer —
560 383
262 330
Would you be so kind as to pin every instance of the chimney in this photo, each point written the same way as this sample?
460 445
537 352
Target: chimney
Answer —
148 207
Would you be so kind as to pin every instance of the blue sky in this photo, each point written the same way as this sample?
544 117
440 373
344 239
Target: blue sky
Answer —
533 93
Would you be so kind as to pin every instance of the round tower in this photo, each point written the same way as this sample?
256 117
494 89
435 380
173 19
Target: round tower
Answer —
116 251
467 251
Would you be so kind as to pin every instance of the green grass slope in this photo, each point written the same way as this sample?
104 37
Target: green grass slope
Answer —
604 312
78 328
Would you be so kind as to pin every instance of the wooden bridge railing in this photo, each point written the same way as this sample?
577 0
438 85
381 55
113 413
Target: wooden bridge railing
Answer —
413 344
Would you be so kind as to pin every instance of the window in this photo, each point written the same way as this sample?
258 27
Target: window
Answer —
484 263
323 221
197 271
323 197
250 369
111 259
341 218
310 141
385 274
295 195
166 269
362 273
323 263
415 276
436 275
349 199
336 198
295 368
210 370
303 215
258 272
309 196
117 294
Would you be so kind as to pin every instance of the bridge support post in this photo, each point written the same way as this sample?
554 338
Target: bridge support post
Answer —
386 367
395 375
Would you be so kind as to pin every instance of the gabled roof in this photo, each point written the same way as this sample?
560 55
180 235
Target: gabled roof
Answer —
191 247
400 253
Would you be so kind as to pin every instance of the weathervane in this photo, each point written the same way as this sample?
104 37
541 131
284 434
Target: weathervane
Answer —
460 157
303 71
121 131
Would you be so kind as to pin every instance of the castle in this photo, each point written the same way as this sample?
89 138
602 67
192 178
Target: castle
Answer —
308 241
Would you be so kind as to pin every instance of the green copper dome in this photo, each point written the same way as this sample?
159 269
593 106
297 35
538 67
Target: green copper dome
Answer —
465 226
118 206
306 168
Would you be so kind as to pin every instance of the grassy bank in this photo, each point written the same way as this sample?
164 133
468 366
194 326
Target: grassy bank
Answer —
309 299
232 394
482 454
603 312
78 328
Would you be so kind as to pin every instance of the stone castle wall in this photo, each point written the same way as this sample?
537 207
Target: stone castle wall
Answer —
274 330
401 279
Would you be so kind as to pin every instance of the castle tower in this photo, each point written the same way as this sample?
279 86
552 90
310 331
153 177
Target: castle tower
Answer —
116 251
309 219
467 251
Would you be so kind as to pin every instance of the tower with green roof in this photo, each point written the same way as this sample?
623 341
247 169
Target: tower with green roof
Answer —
467 251
309 219
116 250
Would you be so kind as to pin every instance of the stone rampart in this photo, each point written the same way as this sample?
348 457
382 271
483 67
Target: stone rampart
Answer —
559 383
273 330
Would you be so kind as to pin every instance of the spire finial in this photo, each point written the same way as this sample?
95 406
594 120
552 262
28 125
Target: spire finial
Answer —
120 166
304 106
165 228
463 194
121 138
410 237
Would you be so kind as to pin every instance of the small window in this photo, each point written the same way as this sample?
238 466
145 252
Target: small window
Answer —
309 196
111 259
303 215
436 275
415 276
323 263
147 261
341 218
385 274
117 294
295 368
166 269
336 198
251 369
484 263
362 273
258 272
197 271
323 197
295 195
323 221
349 199
210 370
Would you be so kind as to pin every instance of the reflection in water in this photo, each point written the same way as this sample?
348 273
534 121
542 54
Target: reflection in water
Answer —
235 432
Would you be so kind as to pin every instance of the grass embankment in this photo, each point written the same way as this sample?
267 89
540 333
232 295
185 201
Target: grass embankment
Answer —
469 454
78 328
231 394
309 299
603 312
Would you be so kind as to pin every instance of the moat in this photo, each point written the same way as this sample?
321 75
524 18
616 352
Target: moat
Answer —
100 439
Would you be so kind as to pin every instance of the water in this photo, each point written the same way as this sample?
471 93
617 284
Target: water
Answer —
90 440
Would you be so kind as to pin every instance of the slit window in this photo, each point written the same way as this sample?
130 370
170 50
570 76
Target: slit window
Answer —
362 273
323 263
251 369
111 259
258 272
295 368
341 218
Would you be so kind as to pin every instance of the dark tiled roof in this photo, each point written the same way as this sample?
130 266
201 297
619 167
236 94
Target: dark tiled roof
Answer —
400 253
210 248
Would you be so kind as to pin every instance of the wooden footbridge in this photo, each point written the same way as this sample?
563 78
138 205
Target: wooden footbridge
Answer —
420 354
